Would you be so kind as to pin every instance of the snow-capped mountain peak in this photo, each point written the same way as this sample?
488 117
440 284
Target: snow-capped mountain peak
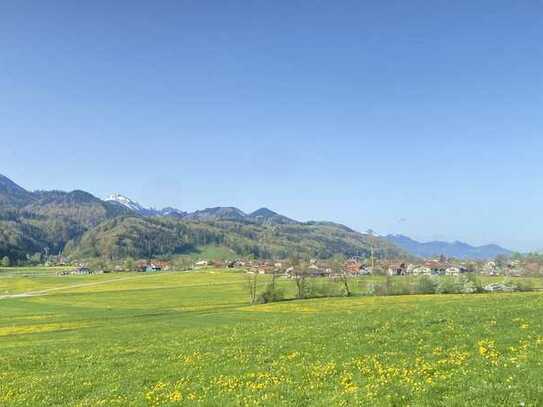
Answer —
126 202
141 210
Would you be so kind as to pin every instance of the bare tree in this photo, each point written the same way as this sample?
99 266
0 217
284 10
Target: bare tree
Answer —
252 279
274 277
338 264
299 274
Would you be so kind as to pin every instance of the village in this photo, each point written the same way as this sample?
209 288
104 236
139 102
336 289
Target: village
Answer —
354 267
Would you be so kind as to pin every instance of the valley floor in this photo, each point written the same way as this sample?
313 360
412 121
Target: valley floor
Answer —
192 339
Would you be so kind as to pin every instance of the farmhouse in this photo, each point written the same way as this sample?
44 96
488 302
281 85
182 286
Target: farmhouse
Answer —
490 268
352 266
422 271
147 266
365 271
437 267
153 267
316 271
82 271
235 264
453 271
201 264
397 269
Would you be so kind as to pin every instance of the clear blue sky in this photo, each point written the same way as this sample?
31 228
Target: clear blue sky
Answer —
415 117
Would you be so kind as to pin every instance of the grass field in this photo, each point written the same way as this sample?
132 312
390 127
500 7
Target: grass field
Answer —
192 339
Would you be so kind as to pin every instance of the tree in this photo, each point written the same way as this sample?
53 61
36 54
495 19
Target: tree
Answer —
501 260
98 264
182 263
129 264
252 279
300 277
6 262
35 259
299 274
338 264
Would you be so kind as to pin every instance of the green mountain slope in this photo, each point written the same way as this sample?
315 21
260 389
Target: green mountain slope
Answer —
145 237
32 222
84 226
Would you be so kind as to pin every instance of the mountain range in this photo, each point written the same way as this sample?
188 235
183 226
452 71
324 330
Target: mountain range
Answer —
83 226
134 206
459 250
262 215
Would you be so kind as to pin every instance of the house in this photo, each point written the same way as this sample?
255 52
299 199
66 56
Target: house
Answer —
235 264
437 267
289 272
453 271
365 271
201 264
82 271
410 267
153 267
315 271
312 271
397 269
352 266
490 268
422 271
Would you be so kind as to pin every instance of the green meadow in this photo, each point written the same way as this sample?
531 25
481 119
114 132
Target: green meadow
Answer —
178 338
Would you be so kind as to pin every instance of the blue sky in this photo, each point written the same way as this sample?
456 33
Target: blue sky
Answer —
420 117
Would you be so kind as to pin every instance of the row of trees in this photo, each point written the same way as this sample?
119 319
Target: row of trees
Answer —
303 278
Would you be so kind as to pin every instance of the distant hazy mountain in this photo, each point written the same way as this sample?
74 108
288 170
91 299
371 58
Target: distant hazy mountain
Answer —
176 213
265 215
456 249
217 213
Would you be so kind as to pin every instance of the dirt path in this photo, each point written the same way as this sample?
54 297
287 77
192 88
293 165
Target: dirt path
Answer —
67 287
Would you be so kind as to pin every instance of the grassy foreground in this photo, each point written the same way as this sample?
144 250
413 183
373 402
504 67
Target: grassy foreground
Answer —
192 339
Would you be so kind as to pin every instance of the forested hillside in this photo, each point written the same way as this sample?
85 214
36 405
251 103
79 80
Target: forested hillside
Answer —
83 226
146 237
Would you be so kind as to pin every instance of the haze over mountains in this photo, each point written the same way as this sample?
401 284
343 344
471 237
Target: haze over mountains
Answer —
456 249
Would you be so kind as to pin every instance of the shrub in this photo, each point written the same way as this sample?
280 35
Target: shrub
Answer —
380 289
455 285
6 262
468 286
320 287
448 285
270 294
475 280
370 289
525 285
424 285
399 286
